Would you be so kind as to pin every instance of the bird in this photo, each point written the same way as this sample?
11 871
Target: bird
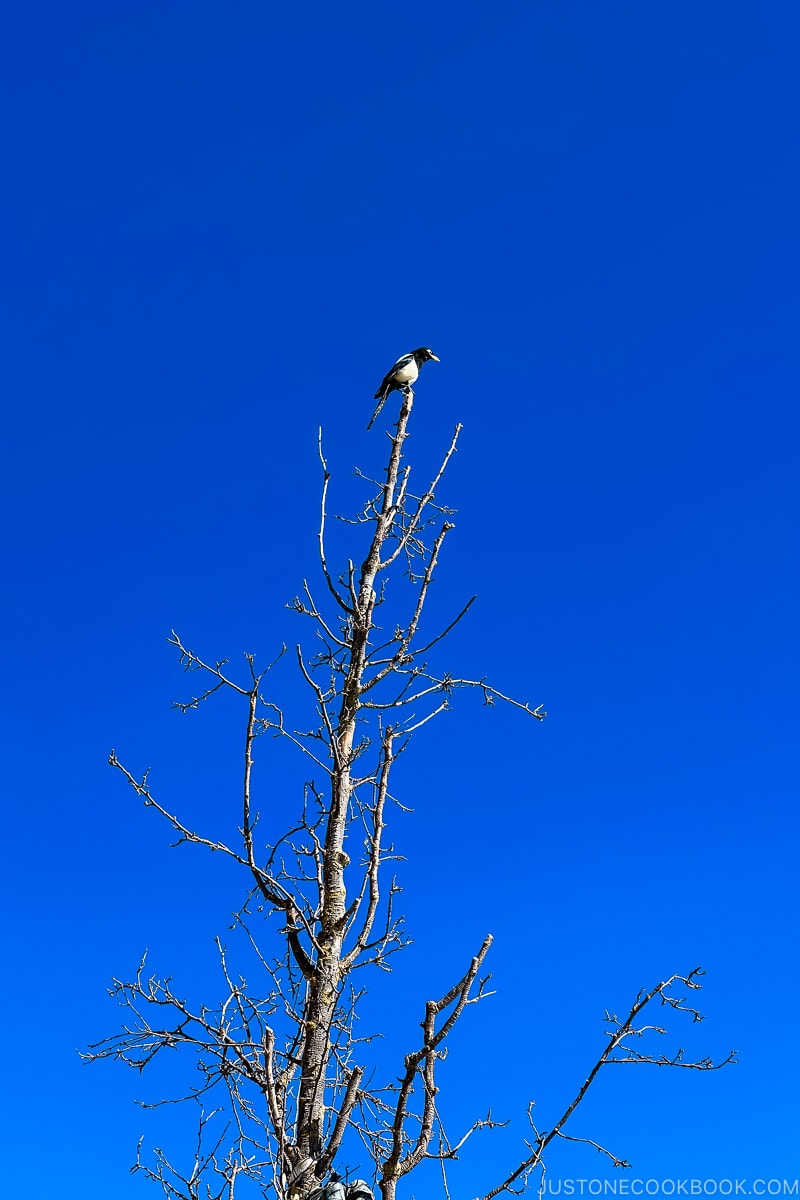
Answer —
402 375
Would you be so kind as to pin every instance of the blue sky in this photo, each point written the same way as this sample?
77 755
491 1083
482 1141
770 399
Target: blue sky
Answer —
223 223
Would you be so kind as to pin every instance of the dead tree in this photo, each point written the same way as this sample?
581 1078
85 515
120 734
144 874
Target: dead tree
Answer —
281 1057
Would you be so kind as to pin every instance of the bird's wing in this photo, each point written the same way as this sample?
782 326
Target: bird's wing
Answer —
385 387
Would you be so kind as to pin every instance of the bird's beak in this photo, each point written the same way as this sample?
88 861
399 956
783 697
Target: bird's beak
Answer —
436 358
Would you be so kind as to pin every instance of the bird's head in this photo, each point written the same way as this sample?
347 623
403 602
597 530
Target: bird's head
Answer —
424 354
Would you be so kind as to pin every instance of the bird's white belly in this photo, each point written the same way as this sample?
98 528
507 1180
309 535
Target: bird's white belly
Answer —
408 373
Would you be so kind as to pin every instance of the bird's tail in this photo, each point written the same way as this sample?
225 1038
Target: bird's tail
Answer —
381 403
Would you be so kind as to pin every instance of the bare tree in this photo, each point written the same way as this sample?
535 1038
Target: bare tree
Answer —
282 1059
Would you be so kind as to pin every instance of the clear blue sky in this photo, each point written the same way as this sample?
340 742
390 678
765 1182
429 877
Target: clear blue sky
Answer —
222 224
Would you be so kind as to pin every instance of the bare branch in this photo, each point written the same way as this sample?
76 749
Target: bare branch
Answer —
321 535
400 1161
617 1035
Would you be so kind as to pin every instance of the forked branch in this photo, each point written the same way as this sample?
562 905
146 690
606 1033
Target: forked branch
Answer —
618 1033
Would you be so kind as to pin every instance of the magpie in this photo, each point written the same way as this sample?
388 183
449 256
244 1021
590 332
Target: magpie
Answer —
402 375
